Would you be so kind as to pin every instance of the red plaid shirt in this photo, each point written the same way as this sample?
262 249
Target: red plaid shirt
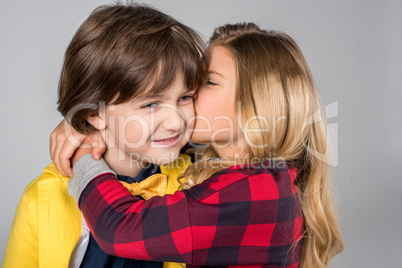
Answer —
244 215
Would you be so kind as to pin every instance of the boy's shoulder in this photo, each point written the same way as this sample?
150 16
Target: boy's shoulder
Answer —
50 178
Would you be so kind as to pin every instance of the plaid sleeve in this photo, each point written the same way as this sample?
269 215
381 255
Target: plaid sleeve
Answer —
241 216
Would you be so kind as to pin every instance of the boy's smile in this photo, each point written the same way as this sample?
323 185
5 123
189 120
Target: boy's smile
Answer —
167 142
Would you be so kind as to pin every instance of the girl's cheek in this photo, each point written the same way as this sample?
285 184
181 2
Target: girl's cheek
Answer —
202 102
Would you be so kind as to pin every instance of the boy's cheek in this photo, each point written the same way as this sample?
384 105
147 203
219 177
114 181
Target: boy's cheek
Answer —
133 133
189 114
190 128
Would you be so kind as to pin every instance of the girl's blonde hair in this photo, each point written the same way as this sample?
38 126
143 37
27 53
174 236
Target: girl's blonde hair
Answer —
277 93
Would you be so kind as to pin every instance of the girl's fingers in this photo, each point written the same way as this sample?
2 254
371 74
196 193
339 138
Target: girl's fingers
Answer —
67 151
55 158
52 145
53 138
98 145
65 141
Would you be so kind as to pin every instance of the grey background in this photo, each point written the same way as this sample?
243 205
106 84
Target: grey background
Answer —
353 49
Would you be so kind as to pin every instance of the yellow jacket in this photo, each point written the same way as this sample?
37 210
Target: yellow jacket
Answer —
47 222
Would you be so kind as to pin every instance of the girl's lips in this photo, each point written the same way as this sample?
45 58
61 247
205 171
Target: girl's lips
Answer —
169 141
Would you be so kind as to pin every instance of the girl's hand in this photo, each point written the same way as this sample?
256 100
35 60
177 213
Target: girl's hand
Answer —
64 142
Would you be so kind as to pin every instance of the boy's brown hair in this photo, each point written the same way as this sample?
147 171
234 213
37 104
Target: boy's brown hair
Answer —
118 52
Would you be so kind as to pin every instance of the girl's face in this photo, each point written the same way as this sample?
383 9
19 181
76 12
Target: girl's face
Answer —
149 129
215 104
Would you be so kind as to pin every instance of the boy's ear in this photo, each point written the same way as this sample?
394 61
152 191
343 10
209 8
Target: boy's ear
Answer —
97 121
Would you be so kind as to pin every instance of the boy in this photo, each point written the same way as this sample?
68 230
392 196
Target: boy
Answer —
129 72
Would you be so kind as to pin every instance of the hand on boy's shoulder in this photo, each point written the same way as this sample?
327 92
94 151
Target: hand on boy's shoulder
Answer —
67 145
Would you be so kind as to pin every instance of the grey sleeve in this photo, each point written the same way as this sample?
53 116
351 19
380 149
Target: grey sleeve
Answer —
84 171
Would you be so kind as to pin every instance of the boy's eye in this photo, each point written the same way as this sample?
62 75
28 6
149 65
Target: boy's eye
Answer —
186 98
150 105
210 83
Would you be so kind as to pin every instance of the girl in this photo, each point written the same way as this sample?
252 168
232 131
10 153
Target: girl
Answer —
260 193
129 71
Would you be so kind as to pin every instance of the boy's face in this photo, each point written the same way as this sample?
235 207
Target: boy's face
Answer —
151 129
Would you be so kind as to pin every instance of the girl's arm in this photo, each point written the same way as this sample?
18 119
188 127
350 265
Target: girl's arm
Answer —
222 221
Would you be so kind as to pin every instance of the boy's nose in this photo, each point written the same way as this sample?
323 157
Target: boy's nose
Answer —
173 119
